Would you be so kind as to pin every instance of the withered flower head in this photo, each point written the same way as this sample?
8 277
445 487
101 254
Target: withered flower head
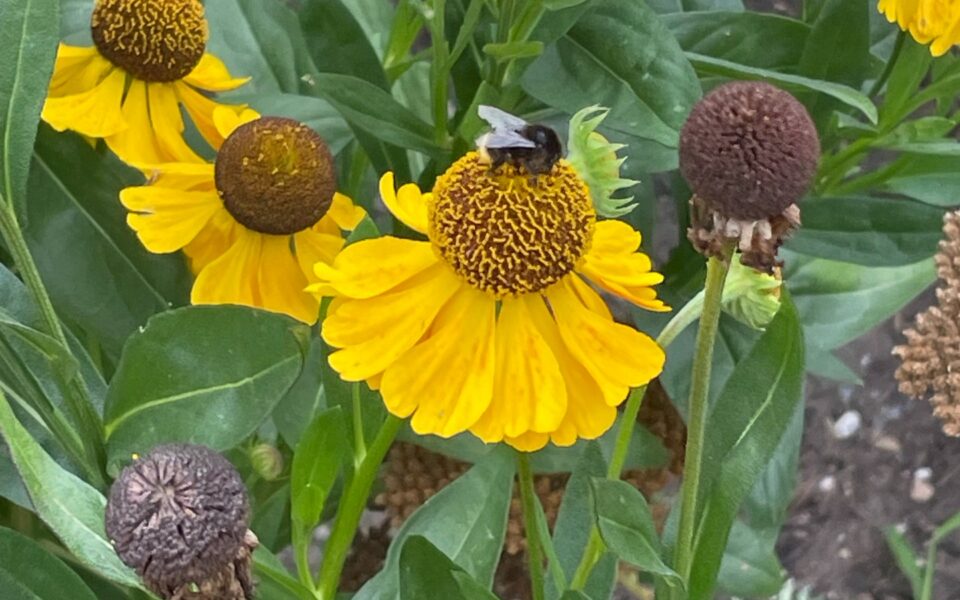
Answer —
931 357
179 516
749 152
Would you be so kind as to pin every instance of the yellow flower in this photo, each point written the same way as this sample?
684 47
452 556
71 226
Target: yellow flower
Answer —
491 326
934 22
255 221
147 60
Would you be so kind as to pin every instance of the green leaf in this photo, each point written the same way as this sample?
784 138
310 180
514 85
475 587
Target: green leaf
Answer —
906 559
98 274
28 45
839 302
908 73
761 40
619 55
627 527
837 50
203 374
707 65
305 398
28 571
11 487
824 363
376 112
576 519
513 50
316 464
273 580
260 39
874 232
69 506
936 189
770 498
744 429
750 566
426 573
466 521
338 44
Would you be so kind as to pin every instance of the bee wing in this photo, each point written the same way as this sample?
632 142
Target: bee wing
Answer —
504 139
499 119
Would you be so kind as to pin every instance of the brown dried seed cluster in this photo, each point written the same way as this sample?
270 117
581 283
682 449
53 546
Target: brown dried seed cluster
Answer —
749 150
275 176
931 357
153 40
179 516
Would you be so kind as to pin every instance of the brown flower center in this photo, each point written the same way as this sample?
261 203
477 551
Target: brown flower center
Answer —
153 40
507 233
275 176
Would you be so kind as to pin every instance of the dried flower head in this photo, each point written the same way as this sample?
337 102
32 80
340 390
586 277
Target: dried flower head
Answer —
179 516
749 151
931 356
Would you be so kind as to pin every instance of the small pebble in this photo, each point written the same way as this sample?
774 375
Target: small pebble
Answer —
844 553
921 490
828 484
888 443
847 425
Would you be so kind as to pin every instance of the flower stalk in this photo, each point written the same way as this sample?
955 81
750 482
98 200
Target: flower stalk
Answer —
529 499
351 509
696 421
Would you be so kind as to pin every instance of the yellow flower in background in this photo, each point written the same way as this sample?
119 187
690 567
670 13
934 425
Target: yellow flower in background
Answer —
491 326
148 60
934 22
255 221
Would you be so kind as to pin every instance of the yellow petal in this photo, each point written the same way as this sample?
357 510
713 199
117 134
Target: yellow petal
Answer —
231 278
226 118
135 145
313 247
374 332
587 416
345 213
529 393
406 204
201 109
168 219
371 267
614 264
212 241
76 70
447 379
95 113
187 176
281 281
168 124
212 75
528 442
618 357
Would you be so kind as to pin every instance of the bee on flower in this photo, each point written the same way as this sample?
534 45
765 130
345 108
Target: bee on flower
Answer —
494 324
148 60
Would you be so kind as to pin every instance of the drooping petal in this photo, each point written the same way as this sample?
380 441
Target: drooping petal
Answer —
374 332
212 241
616 356
406 203
212 75
281 281
94 113
615 264
77 70
168 219
201 109
371 267
168 124
345 213
446 380
529 392
587 415
528 442
231 278
226 118
313 247
135 144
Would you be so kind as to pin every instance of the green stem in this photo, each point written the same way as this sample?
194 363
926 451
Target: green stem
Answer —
891 62
591 556
351 509
628 422
696 422
301 549
440 74
529 499
359 444
77 398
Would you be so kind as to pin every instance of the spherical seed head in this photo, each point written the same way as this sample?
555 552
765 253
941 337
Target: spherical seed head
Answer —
178 516
749 150
275 176
153 40
507 233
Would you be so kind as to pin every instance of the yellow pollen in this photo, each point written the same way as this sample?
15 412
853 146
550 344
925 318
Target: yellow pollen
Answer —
153 40
506 232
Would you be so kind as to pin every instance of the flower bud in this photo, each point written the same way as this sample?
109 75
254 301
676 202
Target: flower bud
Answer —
267 461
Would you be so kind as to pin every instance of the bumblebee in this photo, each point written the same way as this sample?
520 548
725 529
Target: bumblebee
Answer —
513 141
